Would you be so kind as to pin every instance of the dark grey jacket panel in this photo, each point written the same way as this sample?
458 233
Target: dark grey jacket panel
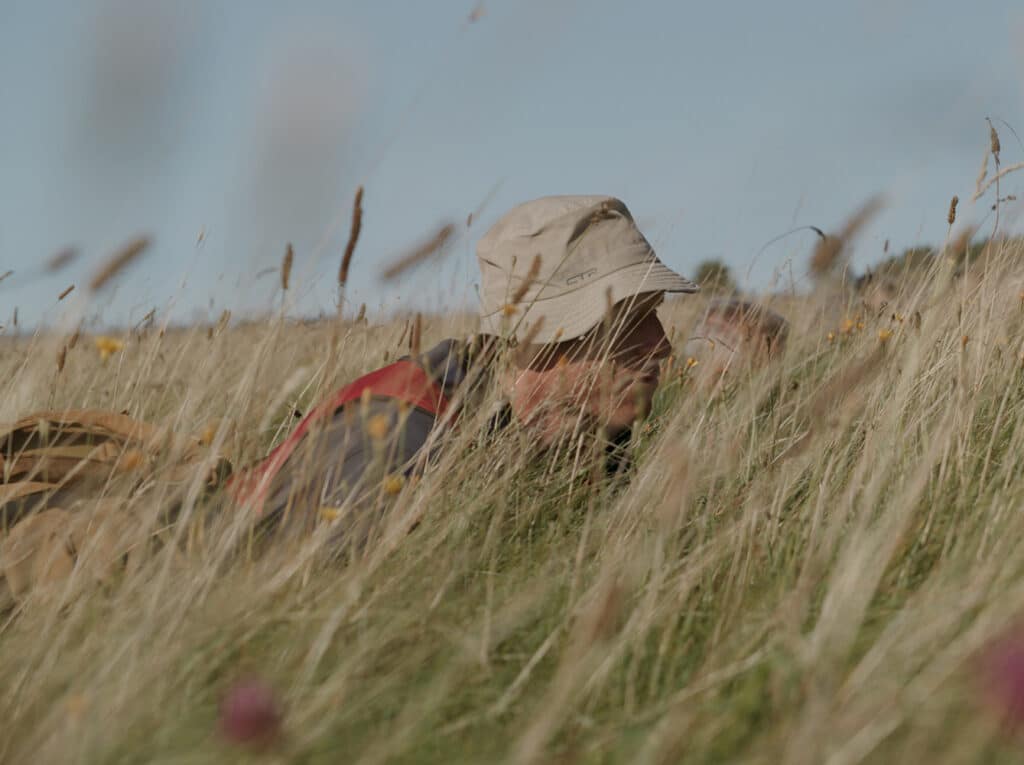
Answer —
346 465
343 467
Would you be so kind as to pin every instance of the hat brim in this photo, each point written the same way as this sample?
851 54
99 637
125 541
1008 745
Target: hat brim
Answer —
569 315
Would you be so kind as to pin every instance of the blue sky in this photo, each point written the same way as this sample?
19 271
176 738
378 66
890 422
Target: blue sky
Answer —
722 125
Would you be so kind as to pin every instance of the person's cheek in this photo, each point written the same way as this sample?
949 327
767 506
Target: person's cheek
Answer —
631 402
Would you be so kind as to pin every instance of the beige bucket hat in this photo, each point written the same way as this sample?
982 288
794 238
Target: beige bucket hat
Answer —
563 259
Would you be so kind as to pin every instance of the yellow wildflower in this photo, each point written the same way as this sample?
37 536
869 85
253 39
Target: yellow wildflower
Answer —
691 362
107 346
209 432
378 426
831 336
329 513
393 484
847 327
509 309
884 335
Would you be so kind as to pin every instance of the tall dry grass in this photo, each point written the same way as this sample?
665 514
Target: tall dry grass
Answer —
802 567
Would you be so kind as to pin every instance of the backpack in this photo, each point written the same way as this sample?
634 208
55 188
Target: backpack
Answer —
60 474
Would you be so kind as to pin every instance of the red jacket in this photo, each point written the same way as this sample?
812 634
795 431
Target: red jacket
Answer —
332 453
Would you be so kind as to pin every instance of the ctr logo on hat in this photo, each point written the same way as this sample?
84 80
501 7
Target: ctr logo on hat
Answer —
580 277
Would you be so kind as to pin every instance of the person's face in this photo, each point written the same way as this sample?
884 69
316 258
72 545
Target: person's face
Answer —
608 376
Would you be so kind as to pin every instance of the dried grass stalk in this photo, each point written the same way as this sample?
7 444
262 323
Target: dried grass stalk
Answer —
62 355
531 277
958 246
429 248
983 187
835 390
119 261
416 337
532 332
66 292
951 215
982 174
527 350
222 323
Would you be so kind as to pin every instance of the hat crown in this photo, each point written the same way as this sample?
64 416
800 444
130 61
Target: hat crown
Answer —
577 238
542 251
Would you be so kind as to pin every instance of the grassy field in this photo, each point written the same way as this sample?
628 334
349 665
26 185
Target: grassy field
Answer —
807 565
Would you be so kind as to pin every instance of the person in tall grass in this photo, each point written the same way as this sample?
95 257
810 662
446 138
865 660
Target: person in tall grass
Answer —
570 340
732 336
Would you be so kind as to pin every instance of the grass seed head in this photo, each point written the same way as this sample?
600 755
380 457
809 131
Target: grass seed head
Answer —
353 237
994 145
118 262
831 252
63 258
286 266
434 245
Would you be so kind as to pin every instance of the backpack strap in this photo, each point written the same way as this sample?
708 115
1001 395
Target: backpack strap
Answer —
404 381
